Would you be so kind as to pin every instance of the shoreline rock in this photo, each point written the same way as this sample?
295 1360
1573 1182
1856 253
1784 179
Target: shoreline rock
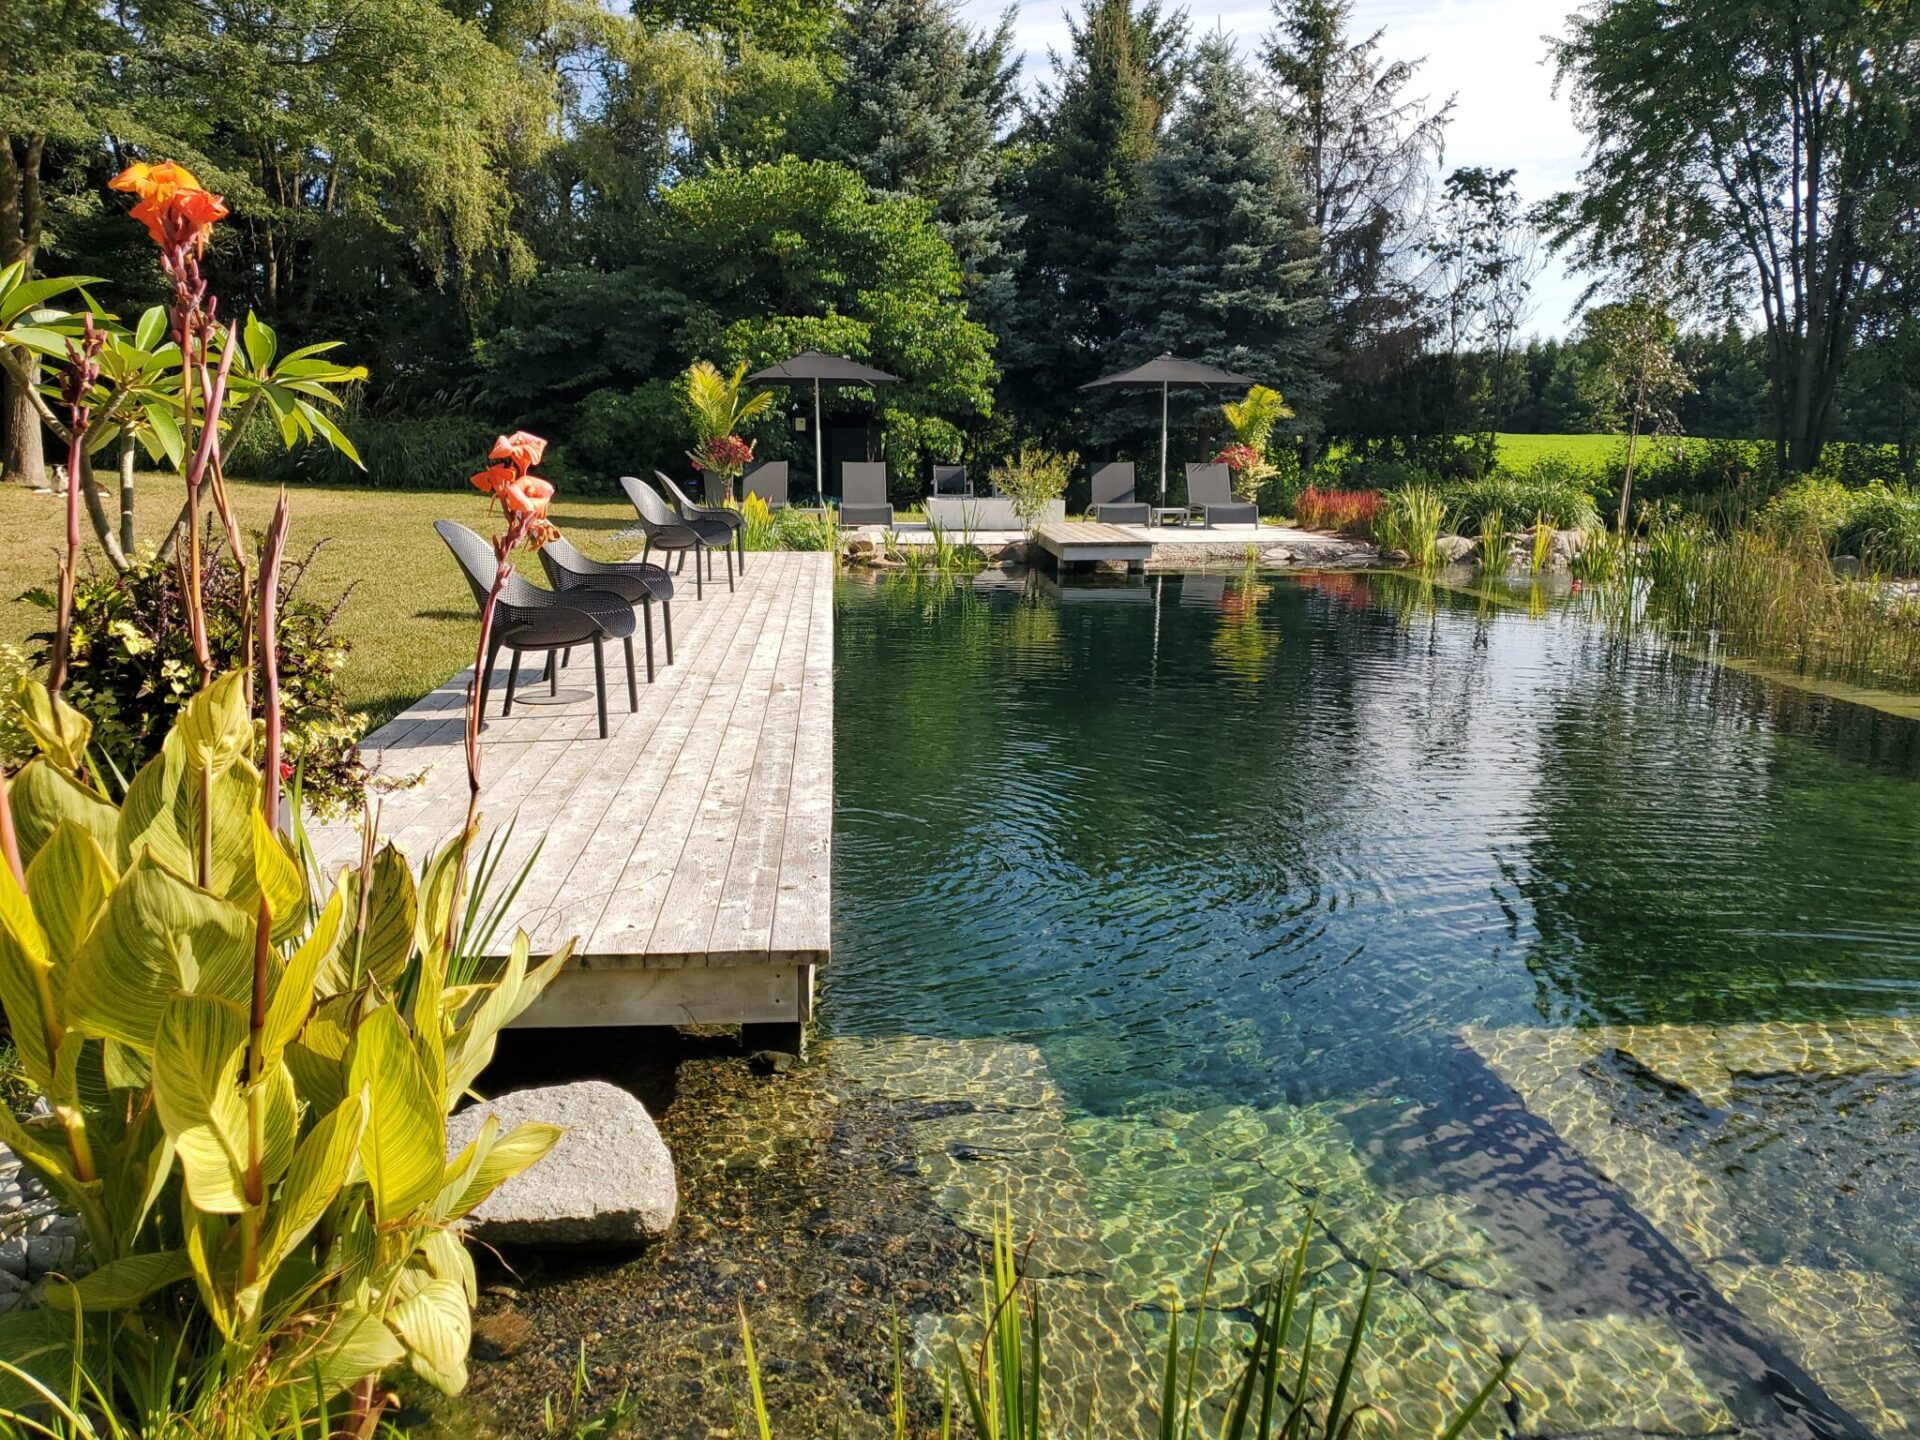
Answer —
609 1183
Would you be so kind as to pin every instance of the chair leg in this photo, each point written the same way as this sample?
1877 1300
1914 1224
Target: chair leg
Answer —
566 657
486 676
646 614
633 688
698 592
513 679
600 682
666 623
553 674
740 540
729 569
646 550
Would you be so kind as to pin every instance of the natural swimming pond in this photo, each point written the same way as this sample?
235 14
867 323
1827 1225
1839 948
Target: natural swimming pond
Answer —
1575 983
1572 980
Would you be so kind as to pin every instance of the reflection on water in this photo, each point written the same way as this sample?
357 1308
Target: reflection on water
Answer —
1293 889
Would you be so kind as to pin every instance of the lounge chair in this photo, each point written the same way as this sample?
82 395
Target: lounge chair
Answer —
1113 502
863 493
528 618
636 581
768 480
668 531
951 480
1210 495
690 509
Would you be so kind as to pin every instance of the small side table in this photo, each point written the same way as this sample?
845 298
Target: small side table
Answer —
1164 515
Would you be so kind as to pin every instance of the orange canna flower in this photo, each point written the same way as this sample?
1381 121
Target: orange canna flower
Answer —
174 206
527 496
521 450
541 532
495 478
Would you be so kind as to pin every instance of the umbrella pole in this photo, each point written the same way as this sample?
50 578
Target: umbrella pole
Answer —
1163 442
819 467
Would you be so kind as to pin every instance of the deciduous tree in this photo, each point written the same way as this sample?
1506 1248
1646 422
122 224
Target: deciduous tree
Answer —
1780 142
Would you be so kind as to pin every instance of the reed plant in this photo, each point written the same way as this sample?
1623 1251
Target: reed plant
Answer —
1774 598
1409 521
1495 542
1542 543
1294 1381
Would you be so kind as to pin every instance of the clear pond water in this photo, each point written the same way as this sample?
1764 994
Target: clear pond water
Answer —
1572 981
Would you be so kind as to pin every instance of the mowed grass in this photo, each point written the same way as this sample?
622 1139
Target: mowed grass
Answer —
409 616
1589 452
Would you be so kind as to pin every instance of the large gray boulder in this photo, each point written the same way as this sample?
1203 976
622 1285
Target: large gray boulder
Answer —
609 1182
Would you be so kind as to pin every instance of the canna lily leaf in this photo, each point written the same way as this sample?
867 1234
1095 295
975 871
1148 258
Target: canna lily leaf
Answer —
196 1084
60 731
157 936
26 981
214 727
319 1169
293 992
68 881
355 1344
152 327
44 795
403 1153
519 1149
280 878
435 1325
122 1284
384 947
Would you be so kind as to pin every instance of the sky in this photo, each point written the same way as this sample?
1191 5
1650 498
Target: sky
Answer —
1488 54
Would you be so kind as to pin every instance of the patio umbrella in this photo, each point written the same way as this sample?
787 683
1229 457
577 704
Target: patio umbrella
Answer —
821 370
1167 371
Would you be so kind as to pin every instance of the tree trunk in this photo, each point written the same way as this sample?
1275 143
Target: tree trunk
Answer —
23 454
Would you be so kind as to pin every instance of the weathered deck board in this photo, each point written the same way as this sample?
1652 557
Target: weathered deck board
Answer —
696 839
1072 542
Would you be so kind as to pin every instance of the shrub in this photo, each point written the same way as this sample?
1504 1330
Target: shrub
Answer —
1031 478
1550 488
1351 512
1884 530
1812 505
132 668
399 453
1362 472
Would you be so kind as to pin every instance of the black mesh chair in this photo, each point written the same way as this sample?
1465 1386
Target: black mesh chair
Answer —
768 480
1113 502
638 583
735 522
1210 494
951 480
863 493
668 531
525 617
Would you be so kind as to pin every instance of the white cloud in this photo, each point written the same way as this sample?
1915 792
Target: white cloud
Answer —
1490 55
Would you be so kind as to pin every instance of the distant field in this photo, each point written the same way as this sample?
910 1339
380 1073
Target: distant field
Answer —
1589 451
1519 451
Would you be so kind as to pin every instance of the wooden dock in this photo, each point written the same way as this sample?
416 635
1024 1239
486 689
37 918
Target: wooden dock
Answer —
1082 542
691 850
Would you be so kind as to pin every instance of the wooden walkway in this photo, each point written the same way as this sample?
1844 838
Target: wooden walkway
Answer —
1072 542
691 850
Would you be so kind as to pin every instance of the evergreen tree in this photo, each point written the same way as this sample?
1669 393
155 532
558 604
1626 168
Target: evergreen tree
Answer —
1084 158
924 104
1219 261
1366 152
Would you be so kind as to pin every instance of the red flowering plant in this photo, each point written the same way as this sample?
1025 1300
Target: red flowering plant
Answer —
726 455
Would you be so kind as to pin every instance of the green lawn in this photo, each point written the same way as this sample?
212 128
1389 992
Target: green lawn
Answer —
410 616
1517 452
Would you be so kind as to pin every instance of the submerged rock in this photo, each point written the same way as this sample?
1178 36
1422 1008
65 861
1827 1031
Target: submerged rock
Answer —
609 1182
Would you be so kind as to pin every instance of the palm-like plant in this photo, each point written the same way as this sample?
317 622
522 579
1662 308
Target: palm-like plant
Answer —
718 407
